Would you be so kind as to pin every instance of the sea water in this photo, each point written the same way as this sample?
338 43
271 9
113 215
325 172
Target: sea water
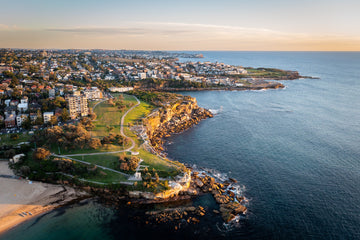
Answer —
294 151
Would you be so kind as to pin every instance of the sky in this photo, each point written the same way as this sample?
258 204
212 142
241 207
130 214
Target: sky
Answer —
253 25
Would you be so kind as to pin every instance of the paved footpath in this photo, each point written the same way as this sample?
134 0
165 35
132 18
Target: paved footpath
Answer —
102 153
121 132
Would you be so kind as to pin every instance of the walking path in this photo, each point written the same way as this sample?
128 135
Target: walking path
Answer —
102 153
121 132
87 163
101 183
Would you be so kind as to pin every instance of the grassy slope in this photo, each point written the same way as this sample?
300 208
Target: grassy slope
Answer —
106 115
106 160
6 140
110 177
164 167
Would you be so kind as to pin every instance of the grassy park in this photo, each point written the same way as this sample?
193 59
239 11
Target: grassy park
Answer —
108 121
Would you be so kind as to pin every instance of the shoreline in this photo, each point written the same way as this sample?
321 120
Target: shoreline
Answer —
23 196
22 200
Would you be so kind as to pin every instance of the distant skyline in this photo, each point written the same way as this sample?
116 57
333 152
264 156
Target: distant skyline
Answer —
258 25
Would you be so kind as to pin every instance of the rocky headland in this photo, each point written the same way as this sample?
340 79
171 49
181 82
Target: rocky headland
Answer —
173 118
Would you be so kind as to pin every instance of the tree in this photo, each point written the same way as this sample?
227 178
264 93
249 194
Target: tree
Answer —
147 177
25 170
53 120
157 179
124 167
39 118
111 102
14 136
109 128
27 123
92 116
14 81
94 143
41 154
87 123
10 153
65 115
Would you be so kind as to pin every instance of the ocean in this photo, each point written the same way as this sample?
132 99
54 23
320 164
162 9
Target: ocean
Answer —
294 151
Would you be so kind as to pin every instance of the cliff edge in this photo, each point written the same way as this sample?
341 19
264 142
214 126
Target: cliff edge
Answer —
173 118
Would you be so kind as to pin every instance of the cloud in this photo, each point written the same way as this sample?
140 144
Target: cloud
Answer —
117 30
4 27
107 30
173 35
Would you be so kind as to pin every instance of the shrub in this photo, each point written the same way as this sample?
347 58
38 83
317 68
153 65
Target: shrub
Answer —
41 154
14 136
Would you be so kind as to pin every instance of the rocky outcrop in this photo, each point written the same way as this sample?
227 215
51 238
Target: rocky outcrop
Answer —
230 204
181 183
170 215
173 118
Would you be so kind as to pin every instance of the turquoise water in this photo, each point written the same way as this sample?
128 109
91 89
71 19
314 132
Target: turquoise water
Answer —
295 150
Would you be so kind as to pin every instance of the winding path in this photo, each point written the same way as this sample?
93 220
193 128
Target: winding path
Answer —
101 153
121 132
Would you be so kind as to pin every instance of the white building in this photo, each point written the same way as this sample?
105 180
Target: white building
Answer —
120 89
23 105
7 102
93 93
52 93
20 119
142 75
109 78
47 116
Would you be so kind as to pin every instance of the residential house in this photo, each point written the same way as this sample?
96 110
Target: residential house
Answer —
14 103
21 118
7 102
10 120
52 93
23 105
47 116
142 75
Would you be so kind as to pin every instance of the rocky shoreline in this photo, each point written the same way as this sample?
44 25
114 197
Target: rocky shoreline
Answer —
161 123
173 119
230 203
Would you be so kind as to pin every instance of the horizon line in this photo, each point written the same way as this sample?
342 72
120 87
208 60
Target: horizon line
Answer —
172 50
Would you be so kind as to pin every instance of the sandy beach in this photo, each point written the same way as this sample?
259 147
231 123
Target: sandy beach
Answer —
22 199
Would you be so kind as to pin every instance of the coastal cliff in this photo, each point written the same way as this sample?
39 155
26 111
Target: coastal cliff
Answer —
173 118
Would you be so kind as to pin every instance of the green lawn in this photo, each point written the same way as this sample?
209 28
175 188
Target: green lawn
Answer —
164 167
106 160
5 139
107 176
108 115
93 103
138 113
104 148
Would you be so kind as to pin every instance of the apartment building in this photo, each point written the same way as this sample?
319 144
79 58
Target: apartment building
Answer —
78 106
